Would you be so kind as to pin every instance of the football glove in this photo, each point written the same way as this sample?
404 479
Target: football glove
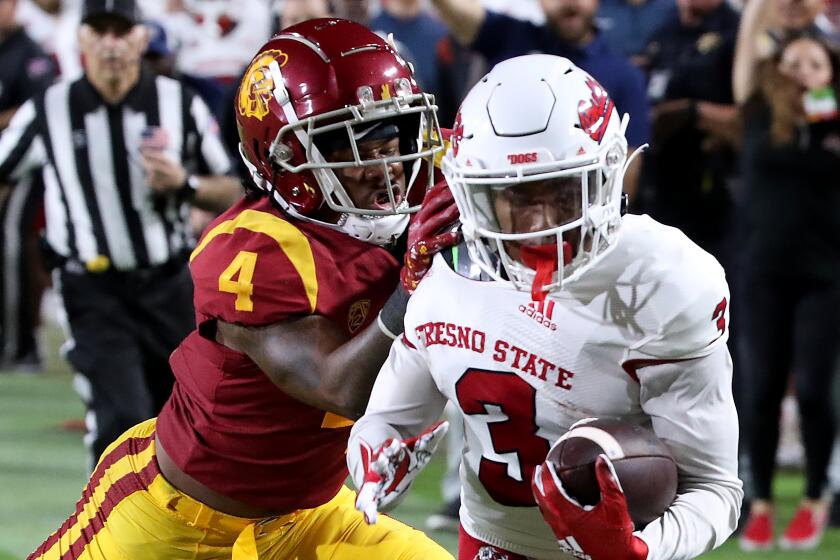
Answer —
600 532
430 231
391 468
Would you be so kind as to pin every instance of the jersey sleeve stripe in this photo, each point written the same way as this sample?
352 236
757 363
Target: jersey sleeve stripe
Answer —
290 239
631 367
407 342
335 421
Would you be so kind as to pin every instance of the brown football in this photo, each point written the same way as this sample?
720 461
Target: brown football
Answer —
645 467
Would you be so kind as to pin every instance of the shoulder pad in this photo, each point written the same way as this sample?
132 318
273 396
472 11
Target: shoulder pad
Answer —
458 259
254 268
688 306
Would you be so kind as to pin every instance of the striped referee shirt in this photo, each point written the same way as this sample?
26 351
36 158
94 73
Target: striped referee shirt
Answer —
99 209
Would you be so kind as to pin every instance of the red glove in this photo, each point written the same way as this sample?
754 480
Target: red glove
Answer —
392 467
600 532
430 232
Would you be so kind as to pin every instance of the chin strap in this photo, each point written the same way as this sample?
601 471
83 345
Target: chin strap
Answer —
543 259
377 230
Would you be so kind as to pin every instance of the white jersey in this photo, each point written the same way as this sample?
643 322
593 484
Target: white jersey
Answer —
641 337
217 38
56 34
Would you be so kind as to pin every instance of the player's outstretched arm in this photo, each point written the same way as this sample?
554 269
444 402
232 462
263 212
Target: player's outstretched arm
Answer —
390 469
313 361
690 404
463 17
396 437
317 363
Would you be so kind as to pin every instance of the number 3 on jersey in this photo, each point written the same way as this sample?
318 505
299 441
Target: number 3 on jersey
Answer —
515 449
242 266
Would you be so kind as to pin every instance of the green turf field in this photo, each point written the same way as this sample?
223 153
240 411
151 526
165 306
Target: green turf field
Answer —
43 469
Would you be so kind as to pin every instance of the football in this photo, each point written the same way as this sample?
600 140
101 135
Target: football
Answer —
645 468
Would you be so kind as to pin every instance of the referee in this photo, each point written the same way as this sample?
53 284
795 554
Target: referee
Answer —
123 154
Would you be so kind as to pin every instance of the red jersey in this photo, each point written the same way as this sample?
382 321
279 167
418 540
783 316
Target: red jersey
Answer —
226 424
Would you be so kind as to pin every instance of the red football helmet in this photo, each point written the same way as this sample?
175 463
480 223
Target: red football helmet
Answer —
323 79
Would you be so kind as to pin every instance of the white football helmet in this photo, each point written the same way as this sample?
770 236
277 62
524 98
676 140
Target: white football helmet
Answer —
537 122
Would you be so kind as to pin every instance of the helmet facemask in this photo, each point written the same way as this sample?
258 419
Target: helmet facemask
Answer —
415 117
574 207
331 79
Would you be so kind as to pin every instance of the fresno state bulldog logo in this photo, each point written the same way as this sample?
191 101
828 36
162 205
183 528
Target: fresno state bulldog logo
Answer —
357 314
258 85
457 134
595 112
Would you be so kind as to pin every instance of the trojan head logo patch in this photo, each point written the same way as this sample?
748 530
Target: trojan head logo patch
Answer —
595 112
357 314
258 85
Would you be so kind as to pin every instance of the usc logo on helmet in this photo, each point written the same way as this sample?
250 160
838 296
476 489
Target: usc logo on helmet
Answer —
258 85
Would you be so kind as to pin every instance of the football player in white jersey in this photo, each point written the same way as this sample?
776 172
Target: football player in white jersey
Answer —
561 310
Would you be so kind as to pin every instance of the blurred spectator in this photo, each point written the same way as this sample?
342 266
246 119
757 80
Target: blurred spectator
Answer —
529 10
691 169
791 159
159 58
459 69
766 23
292 12
122 153
214 40
627 26
693 123
569 31
419 31
53 25
354 10
25 70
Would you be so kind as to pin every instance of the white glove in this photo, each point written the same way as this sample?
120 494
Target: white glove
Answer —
392 467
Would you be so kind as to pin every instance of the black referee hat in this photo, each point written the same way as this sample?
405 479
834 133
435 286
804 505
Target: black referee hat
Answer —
125 9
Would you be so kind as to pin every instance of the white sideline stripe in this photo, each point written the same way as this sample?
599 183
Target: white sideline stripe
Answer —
605 441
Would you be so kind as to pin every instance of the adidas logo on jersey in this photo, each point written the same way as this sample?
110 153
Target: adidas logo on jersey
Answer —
541 312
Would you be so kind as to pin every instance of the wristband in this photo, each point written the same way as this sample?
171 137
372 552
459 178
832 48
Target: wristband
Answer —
190 186
390 319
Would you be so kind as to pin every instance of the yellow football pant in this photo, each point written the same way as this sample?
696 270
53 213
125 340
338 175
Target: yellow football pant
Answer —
129 511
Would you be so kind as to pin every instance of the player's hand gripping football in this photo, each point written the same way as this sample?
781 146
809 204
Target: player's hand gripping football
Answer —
430 232
391 468
600 532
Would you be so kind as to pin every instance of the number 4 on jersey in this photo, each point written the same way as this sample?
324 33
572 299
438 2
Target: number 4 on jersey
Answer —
242 266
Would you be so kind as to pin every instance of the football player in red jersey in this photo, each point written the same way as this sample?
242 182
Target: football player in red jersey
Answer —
297 300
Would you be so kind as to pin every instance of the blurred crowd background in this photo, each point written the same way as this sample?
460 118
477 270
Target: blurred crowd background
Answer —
737 102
